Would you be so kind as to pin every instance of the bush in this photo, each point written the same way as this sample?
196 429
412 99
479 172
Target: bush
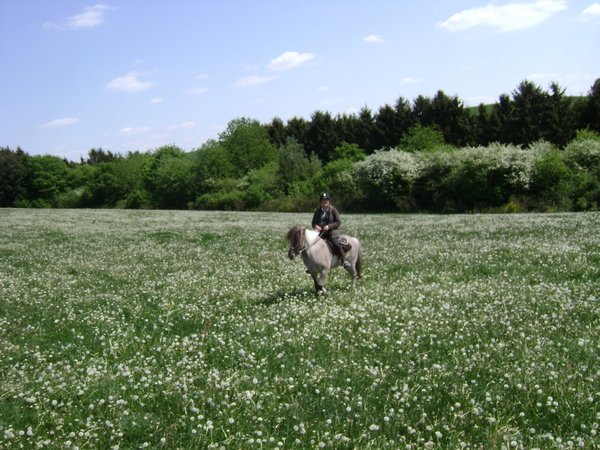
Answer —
583 154
482 177
386 178
227 194
338 178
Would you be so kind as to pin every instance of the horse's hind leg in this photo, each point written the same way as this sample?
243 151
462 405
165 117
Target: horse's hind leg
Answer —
353 273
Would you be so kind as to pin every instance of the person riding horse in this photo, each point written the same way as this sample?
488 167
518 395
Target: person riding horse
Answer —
326 220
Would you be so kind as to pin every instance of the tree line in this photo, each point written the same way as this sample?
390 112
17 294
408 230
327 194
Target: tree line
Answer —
534 149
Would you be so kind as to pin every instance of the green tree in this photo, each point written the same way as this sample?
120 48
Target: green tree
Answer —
102 188
483 126
404 118
560 122
365 130
294 164
529 113
212 162
248 146
96 156
420 139
298 128
277 132
47 177
351 152
13 176
346 127
449 115
591 109
162 168
322 135
501 121
173 187
422 110
386 133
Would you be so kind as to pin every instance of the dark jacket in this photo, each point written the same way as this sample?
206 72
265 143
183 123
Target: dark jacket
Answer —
334 222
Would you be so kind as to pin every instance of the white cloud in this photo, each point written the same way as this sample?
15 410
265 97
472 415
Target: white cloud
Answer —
183 126
333 102
197 91
323 89
252 80
132 131
60 123
289 60
129 83
374 38
157 100
91 16
592 12
413 80
510 17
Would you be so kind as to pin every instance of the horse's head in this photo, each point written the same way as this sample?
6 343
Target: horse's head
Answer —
295 237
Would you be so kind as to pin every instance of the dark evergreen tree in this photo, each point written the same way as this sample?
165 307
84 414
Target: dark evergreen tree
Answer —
386 133
560 117
322 136
483 126
501 120
448 114
591 110
346 127
422 111
96 156
405 118
13 176
529 113
364 138
277 132
298 128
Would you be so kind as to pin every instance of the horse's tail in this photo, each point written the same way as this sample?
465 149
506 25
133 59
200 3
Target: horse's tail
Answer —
359 262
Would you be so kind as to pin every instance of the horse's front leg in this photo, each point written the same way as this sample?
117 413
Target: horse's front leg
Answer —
319 284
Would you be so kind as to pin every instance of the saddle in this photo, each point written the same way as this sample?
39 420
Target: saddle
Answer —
344 244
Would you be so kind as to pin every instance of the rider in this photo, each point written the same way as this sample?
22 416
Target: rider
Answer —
326 220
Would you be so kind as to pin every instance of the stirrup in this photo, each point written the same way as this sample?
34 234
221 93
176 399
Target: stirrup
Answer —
347 264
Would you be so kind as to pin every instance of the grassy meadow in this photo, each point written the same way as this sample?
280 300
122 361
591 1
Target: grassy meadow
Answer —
186 330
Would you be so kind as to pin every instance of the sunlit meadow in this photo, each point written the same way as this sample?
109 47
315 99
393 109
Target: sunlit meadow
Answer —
161 329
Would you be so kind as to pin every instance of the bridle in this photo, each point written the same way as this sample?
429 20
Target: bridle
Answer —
302 248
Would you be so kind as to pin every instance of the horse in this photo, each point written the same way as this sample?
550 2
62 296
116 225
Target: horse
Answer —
317 257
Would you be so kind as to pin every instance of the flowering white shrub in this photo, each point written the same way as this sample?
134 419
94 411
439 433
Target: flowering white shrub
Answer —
584 154
388 174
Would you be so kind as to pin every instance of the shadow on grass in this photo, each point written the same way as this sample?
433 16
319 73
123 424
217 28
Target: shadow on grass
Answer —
282 295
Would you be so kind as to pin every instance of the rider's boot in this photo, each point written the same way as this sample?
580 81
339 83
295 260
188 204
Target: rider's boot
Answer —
342 256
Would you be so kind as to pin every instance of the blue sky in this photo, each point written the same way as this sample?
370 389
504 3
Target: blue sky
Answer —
128 75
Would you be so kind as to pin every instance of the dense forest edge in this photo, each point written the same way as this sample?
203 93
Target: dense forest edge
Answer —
533 150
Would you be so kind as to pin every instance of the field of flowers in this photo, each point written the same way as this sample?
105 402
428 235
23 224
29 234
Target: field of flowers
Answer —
185 330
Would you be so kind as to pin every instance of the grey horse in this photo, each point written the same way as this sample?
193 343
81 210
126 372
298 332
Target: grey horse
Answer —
317 257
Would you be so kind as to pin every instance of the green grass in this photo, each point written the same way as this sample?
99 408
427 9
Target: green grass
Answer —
126 329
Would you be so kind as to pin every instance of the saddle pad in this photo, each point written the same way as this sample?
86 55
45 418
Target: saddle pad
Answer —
343 243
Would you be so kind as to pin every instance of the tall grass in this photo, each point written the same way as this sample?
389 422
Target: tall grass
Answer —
134 329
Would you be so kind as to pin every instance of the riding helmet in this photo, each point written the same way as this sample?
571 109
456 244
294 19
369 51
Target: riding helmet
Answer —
325 196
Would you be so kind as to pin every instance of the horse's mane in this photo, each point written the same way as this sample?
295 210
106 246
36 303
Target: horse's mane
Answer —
297 235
